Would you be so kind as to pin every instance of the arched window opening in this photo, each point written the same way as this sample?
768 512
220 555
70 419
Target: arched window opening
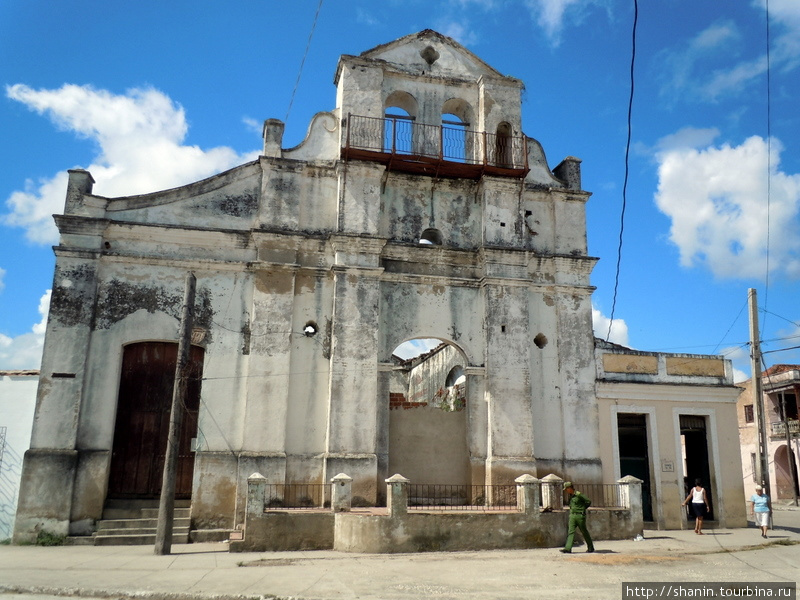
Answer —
457 143
503 151
431 237
398 128
455 377
454 138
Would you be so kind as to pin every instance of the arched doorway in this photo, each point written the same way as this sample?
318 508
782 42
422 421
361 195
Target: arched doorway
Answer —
428 415
784 477
142 424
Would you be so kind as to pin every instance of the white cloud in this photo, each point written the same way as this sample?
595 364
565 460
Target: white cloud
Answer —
710 66
459 31
740 358
253 125
551 15
685 70
688 137
25 351
140 149
2 283
716 198
785 14
619 329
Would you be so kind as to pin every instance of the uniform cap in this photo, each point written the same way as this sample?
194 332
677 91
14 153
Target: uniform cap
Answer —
567 484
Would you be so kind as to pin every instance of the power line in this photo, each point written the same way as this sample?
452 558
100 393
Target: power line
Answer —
303 62
627 169
769 166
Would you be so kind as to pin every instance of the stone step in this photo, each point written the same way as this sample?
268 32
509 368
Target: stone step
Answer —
148 523
138 531
199 536
178 513
135 540
120 508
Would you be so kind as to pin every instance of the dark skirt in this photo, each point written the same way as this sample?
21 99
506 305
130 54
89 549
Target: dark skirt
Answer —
698 509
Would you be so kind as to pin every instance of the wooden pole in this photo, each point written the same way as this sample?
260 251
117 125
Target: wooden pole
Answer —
166 506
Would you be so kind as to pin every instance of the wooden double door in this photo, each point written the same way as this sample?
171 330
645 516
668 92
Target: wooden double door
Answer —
142 423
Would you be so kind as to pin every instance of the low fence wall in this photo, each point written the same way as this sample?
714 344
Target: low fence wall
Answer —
538 521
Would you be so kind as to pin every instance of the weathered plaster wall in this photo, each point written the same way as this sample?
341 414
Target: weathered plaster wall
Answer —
428 423
428 532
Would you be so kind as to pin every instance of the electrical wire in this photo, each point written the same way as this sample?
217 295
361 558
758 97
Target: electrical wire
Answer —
769 163
627 170
303 62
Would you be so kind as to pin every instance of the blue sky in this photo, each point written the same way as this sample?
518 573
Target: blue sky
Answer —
153 94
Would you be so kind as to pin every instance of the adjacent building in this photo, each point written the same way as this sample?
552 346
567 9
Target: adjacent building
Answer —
669 419
780 386
17 402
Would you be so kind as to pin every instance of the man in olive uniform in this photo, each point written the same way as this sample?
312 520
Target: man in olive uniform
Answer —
578 504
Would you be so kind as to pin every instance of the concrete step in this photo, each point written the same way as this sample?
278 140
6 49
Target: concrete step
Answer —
138 523
135 540
199 536
178 513
122 508
138 531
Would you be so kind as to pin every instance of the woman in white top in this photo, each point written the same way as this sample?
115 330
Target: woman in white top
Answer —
699 501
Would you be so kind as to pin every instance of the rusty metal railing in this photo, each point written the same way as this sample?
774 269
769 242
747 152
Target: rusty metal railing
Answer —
462 497
297 496
602 495
406 138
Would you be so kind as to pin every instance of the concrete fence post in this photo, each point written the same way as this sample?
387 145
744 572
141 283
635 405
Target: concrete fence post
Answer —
630 495
256 490
552 492
528 492
341 493
397 495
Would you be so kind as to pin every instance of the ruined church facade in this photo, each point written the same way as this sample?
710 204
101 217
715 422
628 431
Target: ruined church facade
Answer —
416 208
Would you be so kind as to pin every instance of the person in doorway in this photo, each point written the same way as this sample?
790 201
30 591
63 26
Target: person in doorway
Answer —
760 509
699 502
578 505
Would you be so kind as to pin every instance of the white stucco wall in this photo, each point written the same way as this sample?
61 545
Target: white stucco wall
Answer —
17 403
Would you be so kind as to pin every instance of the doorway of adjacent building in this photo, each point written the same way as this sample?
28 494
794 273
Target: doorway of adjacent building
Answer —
694 450
427 439
634 456
142 424
785 479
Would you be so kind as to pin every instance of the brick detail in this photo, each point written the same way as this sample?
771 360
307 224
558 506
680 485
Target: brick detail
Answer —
397 400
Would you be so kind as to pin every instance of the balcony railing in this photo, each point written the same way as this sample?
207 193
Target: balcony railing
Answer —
778 429
447 150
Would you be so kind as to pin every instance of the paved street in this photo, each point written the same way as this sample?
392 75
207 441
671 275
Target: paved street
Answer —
208 570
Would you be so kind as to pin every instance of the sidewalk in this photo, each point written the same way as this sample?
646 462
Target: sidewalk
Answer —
209 571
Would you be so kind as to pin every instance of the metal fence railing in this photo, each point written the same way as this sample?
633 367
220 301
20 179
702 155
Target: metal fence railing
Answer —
452 143
462 497
297 496
602 495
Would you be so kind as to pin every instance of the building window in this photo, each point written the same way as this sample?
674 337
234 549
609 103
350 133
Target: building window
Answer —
753 468
748 413
431 237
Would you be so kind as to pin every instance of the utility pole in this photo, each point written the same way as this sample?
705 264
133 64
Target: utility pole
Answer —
762 462
166 506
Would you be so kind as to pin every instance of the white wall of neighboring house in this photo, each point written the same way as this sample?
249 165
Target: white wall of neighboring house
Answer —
17 403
